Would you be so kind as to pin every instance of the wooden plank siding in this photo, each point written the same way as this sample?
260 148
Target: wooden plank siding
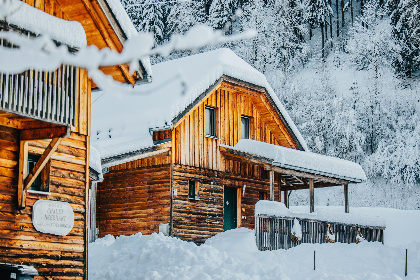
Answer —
197 220
134 197
192 148
53 256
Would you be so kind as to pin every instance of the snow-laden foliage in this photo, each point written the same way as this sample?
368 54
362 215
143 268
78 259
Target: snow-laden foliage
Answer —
184 15
371 43
147 16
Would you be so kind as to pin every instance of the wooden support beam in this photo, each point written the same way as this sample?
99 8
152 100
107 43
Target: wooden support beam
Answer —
271 185
311 196
45 133
238 207
280 188
286 198
41 163
346 198
23 159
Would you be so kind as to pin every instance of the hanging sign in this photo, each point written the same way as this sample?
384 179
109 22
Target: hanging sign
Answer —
53 217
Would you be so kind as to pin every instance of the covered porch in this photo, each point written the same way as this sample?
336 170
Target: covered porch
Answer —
288 170
298 170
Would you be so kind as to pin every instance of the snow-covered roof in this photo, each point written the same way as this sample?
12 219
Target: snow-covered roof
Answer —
128 28
95 160
303 160
27 17
278 209
120 123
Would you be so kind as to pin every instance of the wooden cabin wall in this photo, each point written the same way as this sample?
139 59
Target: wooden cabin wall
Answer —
49 6
193 148
134 197
197 220
60 257
255 179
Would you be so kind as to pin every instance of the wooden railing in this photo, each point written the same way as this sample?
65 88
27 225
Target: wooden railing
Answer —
274 233
47 96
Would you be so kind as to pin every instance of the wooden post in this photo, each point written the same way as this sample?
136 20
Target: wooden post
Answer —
286 198
271 185
346 197
311 196
279 188
23 161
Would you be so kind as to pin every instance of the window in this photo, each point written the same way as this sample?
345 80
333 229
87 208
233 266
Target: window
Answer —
193 190
262 196
210 121
42 181
245 127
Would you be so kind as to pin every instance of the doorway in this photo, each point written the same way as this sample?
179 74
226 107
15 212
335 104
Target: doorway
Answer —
230 208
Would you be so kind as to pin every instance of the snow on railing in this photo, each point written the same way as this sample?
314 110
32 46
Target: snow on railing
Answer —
47 96
276 228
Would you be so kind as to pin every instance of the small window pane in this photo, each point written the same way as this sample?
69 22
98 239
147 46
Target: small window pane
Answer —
245 127
32 159
191 190
209 121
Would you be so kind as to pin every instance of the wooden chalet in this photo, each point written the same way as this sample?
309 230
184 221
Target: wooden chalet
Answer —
198 149
45 135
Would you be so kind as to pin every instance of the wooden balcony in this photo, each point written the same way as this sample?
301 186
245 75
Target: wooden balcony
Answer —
46 96
274 233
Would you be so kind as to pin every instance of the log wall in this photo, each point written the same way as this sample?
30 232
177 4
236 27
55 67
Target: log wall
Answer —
134 197
197 220
60 257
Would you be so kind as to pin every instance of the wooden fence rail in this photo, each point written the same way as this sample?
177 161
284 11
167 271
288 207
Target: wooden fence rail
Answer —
47 96
274 233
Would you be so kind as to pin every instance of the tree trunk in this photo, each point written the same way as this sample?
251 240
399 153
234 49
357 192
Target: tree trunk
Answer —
338 18
323 41
342 13
352 13
331 25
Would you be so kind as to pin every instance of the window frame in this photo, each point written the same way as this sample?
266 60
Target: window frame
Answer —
42 182
193 190
248 128
212 121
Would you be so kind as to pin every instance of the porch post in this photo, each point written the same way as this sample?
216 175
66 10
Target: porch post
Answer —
271 185
346 197
286 198
311 196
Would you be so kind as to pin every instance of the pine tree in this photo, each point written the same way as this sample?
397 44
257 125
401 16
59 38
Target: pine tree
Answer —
221 13
318 12
147 16
405 18
186 14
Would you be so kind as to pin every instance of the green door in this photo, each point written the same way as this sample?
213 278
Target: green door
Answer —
229 215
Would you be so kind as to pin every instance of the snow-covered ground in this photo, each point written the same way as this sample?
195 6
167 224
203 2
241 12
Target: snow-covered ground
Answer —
233 255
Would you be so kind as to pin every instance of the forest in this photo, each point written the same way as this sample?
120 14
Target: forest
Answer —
347 71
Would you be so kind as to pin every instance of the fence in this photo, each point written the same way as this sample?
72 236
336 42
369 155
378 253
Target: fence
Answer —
274 233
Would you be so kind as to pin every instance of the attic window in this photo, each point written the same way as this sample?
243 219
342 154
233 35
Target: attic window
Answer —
210 121
245 127
193 190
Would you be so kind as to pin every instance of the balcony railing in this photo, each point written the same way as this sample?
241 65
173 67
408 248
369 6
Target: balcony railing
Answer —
46 96
274 233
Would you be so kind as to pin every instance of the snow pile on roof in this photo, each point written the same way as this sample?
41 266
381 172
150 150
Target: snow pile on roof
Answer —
123 19
95 160
27 17
303 160
176 84
278 209
128 27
